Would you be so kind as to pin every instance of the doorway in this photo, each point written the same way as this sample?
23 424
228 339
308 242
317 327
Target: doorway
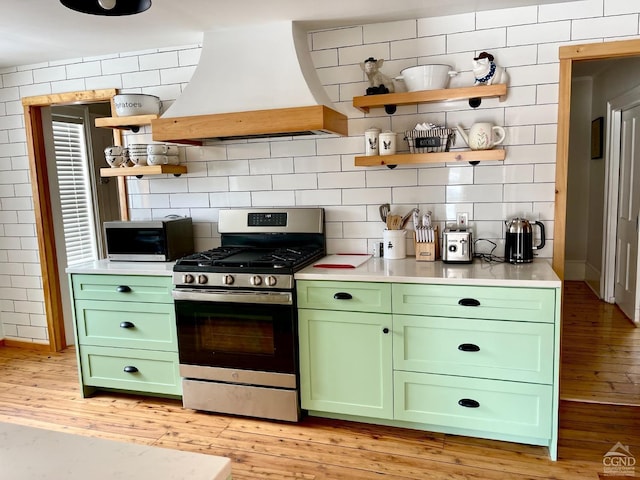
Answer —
40 185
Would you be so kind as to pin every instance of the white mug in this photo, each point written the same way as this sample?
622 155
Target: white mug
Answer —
388 143
371 139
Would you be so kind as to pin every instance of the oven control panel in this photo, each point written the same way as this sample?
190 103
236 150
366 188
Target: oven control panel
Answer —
239 280
261 219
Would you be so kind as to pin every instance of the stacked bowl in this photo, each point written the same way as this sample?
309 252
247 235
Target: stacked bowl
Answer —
162 154
138 154
116 156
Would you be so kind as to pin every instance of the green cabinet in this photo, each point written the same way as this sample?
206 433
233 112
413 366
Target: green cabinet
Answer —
461 359
126 333
345 356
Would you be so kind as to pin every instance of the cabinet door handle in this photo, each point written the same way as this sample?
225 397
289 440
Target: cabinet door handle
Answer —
130 369
469 302
123 289
342 296
468 403
468 347
385 330
126 325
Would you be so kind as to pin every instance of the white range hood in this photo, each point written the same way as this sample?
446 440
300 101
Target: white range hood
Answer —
251 81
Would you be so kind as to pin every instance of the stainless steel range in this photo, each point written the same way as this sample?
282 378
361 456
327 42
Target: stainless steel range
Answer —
236 312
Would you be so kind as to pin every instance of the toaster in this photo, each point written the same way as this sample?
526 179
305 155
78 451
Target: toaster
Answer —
457 245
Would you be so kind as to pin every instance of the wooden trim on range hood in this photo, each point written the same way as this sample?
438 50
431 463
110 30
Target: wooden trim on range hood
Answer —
258 123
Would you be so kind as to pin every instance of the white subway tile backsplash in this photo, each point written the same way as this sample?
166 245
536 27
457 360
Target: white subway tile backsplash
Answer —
564 11
604 27
539 153
230 199
186 200
341 37
341 180
207 184
249 183
419 47
50 74
359 53
477 41
141 79
506 17
325 163
546 133
534 74
120 65
431 26
318 197
531 34
365 196
295 181
532 192
445 175
474 193
392 178
418 195
159 60
273 166
545 173
237 151
547 93
273 198
293 148
389 31
531 115
503 174
618 7
356 213
325 58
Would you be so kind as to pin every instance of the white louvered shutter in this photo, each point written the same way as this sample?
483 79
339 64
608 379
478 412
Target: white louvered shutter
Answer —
75 192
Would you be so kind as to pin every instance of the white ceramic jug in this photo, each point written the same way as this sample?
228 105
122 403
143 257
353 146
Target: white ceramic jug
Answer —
482 136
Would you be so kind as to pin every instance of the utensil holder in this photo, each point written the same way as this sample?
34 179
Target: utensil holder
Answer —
427 251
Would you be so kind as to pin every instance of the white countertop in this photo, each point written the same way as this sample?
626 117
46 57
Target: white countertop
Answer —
28 453
123 268
536 274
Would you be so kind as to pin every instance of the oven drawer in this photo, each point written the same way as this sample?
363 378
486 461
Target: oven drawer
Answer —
509 408
520 351
123 288
149 326
494 303
132 370
351 296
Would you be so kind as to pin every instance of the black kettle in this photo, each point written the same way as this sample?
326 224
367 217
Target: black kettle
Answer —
518 243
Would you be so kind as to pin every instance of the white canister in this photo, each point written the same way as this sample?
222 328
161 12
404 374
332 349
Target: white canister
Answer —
371 141
394 244
388 143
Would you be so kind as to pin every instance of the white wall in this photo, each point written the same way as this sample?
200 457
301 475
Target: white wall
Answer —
320 171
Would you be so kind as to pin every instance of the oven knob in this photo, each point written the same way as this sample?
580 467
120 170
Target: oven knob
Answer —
227 279
188 278
202 279
271 281
256 280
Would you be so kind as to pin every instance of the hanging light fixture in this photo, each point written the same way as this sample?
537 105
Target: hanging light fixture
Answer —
107 7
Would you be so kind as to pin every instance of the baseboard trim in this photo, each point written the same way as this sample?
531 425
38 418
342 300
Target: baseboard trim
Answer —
40 347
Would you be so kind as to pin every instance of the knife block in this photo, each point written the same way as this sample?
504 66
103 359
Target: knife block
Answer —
427 251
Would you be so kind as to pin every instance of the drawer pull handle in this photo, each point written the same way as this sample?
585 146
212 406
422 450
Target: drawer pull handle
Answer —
126 325
468 402
123 289
130 369
385 330
469 302
468 347
342 296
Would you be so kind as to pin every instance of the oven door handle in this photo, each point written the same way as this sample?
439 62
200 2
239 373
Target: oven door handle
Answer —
236 296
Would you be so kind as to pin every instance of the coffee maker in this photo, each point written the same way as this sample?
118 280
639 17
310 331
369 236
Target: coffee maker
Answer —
518 242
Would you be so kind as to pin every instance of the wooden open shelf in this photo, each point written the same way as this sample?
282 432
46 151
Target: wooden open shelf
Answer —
145 170
366 102
438 157
125 123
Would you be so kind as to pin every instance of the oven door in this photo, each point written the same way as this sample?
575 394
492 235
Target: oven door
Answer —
238 330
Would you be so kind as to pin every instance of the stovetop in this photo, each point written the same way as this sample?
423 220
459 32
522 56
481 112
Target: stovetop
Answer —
249 259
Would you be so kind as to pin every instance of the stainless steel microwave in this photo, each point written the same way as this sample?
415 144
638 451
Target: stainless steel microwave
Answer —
162 240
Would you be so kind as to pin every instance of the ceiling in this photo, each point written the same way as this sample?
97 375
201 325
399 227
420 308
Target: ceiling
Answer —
35 31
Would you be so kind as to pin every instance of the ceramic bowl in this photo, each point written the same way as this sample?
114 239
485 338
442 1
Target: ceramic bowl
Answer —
136 104
162 149
174 159
138 160
116 160
426 77
157 160
114 150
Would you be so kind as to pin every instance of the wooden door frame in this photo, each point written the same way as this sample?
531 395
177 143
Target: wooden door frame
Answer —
42 204
568 55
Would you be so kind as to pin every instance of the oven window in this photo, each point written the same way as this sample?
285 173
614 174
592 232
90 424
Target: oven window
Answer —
237 335
249 335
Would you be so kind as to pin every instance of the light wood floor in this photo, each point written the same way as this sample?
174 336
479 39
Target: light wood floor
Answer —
41 390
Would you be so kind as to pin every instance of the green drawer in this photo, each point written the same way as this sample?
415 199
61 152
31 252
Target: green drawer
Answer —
123 288
509 408
477 348
149 326
351 296
157 372
495 303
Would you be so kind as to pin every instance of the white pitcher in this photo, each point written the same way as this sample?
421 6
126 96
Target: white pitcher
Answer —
482 136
